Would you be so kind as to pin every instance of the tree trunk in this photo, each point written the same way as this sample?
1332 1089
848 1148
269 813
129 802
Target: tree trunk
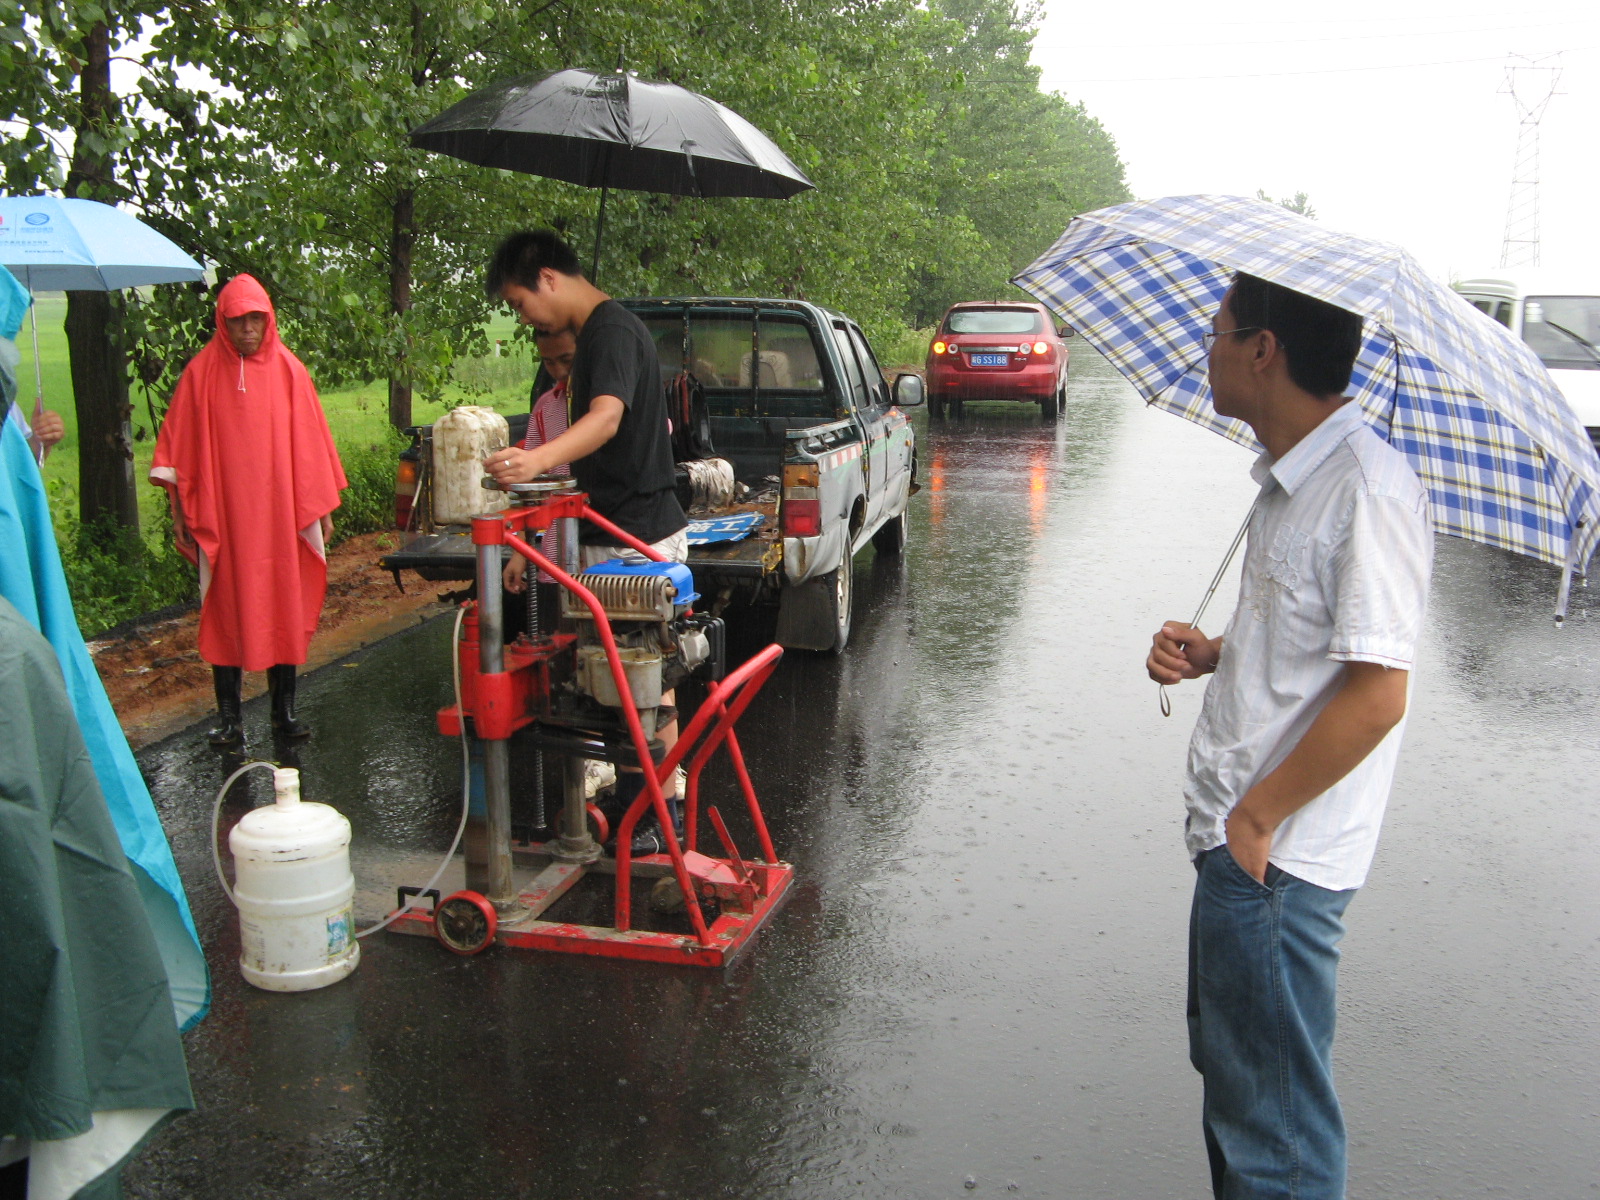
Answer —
99 361
106 486
402 240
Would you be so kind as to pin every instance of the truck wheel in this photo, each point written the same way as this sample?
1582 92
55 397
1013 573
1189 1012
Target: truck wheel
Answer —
815 615
1050 406
892 535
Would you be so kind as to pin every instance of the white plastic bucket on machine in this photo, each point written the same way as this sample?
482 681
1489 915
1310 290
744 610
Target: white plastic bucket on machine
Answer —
294 892
462 439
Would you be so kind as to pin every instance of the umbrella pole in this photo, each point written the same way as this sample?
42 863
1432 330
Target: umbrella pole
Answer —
599 235
38 372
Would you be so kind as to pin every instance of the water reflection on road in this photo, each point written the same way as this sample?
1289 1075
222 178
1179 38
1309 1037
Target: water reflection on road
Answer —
980 976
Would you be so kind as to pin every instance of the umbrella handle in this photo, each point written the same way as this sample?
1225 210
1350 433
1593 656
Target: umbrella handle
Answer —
1163 699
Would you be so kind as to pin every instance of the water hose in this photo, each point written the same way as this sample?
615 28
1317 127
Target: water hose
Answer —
461 827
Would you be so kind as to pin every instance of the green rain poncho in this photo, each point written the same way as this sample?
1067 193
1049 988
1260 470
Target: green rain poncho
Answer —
90 1060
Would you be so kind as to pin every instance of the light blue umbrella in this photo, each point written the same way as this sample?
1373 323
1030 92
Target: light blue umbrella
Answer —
62 245
56 245
1503 456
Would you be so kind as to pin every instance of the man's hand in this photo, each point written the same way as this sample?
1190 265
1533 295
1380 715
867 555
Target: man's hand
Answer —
591 431
517 466
48 428
1249 841
512 577
1181 652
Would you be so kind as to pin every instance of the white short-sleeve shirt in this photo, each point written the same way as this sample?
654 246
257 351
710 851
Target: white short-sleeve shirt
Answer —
1336 570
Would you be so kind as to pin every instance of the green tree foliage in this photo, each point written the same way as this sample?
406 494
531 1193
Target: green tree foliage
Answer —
1009 165
940 167
1297 203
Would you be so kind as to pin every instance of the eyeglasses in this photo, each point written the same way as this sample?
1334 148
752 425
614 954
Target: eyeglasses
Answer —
1210 339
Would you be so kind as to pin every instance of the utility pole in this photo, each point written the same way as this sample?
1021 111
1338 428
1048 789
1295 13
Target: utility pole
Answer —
1531 82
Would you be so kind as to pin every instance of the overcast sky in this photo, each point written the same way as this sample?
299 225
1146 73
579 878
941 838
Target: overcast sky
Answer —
1392 116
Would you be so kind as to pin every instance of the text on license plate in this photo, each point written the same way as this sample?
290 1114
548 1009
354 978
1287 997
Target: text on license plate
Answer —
989 360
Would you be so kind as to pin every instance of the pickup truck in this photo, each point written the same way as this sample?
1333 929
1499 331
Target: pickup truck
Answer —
795 401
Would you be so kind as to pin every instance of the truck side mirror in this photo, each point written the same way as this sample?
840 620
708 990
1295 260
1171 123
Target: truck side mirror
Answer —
909 391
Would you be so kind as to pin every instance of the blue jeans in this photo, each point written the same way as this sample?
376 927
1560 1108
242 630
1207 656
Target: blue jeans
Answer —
1262 966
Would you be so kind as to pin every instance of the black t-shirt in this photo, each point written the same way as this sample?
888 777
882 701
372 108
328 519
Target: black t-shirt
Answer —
629 479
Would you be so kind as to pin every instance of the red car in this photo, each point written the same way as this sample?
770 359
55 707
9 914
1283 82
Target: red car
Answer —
1002 350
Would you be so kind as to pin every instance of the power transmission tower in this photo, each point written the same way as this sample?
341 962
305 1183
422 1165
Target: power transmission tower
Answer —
1531 81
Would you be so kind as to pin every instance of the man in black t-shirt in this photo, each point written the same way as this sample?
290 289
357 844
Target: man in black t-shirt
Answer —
617 442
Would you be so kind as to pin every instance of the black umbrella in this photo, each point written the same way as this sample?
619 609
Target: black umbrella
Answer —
613 131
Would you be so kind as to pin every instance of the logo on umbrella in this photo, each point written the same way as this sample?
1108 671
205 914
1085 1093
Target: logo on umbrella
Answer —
37 218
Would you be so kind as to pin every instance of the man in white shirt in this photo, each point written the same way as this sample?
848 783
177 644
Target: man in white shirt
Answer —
1293 754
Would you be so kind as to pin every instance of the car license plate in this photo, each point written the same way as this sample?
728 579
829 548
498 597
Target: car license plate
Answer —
989 360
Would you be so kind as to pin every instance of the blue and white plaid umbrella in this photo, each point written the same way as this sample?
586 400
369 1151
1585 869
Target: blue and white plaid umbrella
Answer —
1502 454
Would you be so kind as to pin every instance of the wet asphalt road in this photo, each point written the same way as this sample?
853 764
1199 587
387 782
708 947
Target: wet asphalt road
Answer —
977 987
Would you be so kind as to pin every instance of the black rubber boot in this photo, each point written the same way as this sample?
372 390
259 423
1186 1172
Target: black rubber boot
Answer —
280 682
229 730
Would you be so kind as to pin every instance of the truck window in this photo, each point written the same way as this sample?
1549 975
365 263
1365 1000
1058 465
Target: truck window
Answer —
720 353
876 388
855 381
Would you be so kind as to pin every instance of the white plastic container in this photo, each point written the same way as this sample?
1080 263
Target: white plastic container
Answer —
462 439
294 892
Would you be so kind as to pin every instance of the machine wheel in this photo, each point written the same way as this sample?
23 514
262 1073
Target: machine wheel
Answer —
465 922
1050 407
893 534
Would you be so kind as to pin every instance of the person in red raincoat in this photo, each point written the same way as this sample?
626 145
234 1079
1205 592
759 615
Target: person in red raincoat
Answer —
252 474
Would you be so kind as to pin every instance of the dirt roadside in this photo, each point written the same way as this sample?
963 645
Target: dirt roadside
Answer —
158 684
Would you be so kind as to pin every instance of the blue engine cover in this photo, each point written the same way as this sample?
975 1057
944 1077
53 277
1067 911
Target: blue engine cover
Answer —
679 573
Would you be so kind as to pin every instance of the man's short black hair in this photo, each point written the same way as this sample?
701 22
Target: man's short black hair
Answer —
1319 340
521 257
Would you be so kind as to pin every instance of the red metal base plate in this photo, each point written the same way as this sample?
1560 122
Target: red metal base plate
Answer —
729 934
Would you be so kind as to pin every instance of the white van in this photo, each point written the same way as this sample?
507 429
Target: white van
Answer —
1559 321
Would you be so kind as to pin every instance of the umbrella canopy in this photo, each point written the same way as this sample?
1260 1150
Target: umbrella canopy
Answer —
56 245
1503 456
613 131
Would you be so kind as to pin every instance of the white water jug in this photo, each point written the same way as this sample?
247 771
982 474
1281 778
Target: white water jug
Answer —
294 892
462 439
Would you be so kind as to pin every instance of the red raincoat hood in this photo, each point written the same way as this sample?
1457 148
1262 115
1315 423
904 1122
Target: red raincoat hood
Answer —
244 294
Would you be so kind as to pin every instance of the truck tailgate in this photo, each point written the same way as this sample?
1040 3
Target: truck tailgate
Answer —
748 559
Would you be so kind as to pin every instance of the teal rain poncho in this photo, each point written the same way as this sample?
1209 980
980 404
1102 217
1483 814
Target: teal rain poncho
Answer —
31 578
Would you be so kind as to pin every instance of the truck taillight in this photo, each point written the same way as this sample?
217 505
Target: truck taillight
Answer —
800 514
405 491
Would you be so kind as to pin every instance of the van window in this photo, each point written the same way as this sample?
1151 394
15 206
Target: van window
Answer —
1500 310
1564 331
